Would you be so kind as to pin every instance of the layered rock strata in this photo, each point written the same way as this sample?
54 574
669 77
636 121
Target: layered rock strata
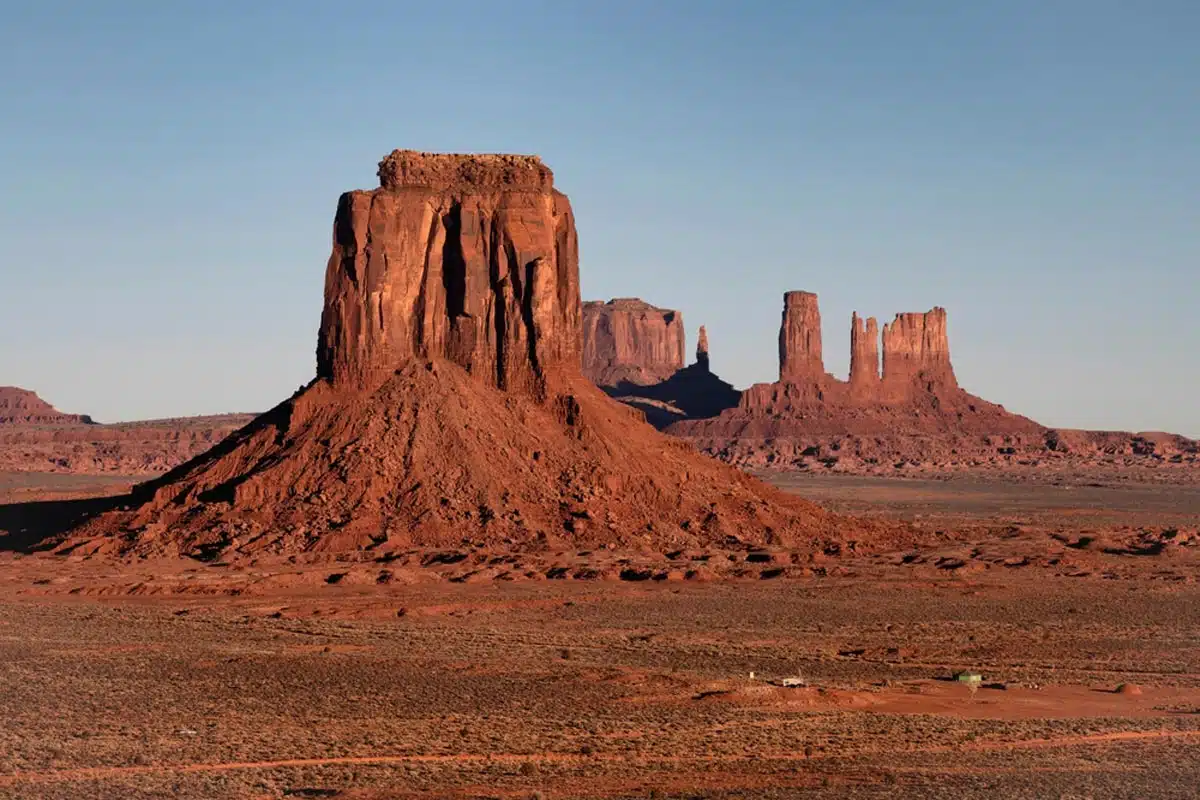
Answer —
471 259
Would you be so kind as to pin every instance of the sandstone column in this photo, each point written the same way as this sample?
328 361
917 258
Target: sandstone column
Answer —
702 350
864 355
800 356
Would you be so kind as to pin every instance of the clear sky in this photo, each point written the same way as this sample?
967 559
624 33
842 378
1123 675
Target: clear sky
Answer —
170 172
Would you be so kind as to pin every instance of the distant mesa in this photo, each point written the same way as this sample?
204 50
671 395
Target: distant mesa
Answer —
635 352
449 406
35 437
23 407
627 340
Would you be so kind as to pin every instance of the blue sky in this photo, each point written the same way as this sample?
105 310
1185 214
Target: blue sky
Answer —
171 171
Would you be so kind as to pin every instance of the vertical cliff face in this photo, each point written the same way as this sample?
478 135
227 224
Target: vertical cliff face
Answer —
627 340
469 258
864 355
800 357
916 349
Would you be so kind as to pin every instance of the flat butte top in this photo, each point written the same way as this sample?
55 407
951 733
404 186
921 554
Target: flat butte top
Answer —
463 171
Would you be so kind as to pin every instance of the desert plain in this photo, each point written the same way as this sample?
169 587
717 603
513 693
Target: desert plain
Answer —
761 673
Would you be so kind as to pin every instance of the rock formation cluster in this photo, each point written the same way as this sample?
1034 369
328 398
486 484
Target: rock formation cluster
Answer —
905 405
449 405
916 390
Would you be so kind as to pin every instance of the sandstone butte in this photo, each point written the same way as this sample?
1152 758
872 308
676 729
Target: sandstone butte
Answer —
915 392
449 407
627 340
635 352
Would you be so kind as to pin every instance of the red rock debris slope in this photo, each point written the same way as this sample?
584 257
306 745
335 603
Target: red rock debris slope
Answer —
449 406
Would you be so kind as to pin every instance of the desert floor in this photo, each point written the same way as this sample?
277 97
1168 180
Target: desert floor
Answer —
465 674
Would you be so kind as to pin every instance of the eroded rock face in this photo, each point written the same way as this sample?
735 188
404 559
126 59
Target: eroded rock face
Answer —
800 357
627 340
864 355
916 347
22 407
469 258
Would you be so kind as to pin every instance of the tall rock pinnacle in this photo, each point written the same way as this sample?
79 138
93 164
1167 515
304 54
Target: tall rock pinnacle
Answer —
702 350
864 354
469 258
800 356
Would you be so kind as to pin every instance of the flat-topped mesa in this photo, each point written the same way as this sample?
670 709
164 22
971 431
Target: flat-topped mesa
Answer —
916 349
22 407
627 340
800 357
702 350
471 258
864 355
411 168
